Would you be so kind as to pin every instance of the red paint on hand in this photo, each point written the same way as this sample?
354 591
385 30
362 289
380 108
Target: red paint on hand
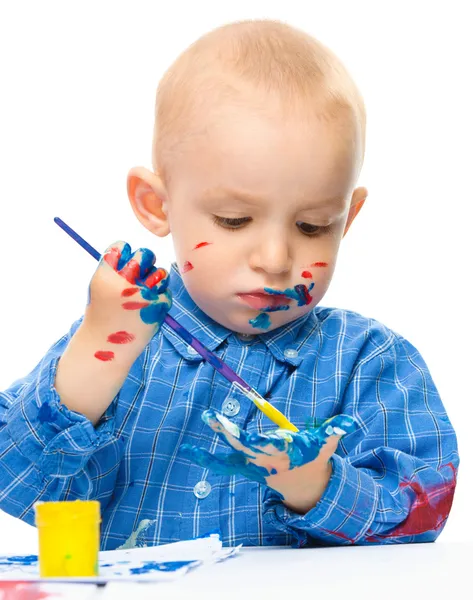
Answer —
112 257
319 264
155 277
202 244
187 267
131 271
104 355
306 274
120 337
134 305
130 291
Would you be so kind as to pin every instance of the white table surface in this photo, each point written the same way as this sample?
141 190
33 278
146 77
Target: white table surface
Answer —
417 571
383 572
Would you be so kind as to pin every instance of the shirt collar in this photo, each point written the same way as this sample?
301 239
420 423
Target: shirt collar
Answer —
287 343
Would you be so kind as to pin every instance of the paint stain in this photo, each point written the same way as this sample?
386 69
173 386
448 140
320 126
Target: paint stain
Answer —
104 355
319 264
429 510
306 274
188 266
131 271
138 538
45 415
134 305
112 257
149 566
16 590
155 277
262 321
201 245
127 292
120 337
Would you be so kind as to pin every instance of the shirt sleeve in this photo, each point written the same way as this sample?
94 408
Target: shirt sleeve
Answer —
45 448
393 479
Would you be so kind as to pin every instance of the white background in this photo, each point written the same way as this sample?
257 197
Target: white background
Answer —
78 83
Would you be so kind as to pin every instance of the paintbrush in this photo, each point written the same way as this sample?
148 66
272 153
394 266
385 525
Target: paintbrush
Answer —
265 407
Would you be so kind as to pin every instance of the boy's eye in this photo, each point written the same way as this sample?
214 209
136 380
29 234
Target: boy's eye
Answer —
230 223
305 228
309 229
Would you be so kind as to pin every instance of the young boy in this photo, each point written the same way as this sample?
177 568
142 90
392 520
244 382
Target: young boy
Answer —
259 142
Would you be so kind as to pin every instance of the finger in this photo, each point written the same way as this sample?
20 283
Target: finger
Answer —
232 435
114 253
221 464
234 463
138 265
156 283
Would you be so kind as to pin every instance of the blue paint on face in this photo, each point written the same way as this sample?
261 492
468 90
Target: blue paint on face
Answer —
262 321
45 414
299 292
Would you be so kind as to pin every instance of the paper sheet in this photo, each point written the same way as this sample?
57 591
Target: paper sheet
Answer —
155 563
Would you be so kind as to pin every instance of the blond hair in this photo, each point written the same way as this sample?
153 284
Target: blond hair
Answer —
266 55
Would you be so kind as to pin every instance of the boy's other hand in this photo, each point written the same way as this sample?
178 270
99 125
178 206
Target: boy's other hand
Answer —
297 465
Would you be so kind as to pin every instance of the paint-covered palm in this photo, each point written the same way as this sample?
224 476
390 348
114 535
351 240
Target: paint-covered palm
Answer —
128 297
286 461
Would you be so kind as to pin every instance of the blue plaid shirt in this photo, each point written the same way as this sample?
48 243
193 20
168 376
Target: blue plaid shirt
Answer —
393 479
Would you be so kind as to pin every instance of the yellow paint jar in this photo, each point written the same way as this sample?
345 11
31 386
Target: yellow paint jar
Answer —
69 538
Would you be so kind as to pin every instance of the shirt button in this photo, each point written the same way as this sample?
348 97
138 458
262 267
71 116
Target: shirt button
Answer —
202 489
230 407
290 353
245 337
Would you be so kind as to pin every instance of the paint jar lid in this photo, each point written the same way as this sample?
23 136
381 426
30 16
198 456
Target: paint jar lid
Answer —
49 513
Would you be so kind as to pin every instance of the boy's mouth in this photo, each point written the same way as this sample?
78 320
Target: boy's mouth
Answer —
259 299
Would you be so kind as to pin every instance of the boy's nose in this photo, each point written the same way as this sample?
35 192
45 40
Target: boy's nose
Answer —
271 255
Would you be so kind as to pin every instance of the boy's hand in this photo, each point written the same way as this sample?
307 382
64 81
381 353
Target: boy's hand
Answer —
128 301
294 464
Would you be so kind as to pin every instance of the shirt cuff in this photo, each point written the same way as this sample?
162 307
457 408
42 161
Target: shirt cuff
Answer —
57 440
343 515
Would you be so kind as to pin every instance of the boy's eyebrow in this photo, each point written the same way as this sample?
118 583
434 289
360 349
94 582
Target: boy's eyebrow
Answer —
218 193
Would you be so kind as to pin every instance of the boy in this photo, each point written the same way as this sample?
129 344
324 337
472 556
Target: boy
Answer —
259 141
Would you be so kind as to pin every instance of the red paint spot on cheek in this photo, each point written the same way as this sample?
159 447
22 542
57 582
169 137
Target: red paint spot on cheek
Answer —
134 305
306 274
188 266
104 355
202 244
129 291
319 264
120 337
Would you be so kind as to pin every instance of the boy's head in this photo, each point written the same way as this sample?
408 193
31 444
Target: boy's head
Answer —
258 144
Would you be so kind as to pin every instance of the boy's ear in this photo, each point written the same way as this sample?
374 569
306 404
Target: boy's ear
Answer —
149 200
358 199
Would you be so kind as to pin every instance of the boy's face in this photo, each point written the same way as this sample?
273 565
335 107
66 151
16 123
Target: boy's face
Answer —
254 203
